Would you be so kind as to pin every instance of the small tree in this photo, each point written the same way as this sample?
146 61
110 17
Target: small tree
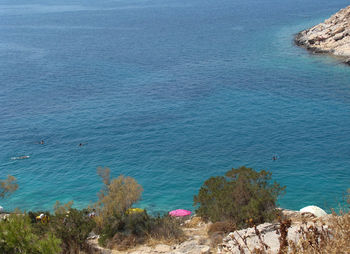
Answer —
116 196
8 186
241 195
62 209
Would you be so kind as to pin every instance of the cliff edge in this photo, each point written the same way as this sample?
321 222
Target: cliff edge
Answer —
332 36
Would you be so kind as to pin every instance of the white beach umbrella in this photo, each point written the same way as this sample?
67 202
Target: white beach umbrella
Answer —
315 210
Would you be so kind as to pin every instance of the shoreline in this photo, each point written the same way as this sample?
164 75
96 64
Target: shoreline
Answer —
331 37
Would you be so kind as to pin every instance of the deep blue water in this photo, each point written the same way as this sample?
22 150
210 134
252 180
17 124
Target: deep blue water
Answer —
170 92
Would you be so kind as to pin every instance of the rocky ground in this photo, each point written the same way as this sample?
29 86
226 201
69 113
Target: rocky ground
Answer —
241 241
197 242
267 235
332 36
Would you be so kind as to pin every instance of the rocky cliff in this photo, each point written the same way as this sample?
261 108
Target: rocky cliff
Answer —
332 36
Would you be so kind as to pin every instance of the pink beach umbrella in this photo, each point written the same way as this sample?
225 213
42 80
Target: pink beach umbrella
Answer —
180 213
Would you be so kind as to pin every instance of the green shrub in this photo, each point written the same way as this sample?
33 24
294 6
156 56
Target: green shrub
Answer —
242 195
73 228
17 236
39 228
129 230
111 226
118 227
138 224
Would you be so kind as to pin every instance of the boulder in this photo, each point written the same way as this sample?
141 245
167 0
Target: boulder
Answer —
315 210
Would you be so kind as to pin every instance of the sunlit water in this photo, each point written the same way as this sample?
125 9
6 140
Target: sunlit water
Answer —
170 92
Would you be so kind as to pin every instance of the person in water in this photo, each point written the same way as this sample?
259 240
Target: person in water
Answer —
41 142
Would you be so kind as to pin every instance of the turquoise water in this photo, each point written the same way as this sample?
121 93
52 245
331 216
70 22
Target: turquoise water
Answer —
171 93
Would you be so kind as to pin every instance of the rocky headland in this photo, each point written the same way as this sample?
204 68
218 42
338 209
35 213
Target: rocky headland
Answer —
330 37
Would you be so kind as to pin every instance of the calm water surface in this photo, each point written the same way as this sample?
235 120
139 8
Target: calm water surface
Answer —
170 92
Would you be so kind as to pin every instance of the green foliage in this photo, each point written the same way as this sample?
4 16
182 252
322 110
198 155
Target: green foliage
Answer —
17 236
241 195
39 228
8 186
130 229
70 225
136 224
73 228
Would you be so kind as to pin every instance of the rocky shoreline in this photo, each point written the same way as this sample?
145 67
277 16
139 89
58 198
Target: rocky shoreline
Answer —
330 37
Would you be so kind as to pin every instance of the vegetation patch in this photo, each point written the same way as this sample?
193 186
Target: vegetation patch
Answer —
243 195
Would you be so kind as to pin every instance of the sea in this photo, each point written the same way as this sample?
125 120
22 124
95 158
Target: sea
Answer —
169 92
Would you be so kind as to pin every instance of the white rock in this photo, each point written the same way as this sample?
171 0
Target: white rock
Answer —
205 250
315 210
234 242
162 248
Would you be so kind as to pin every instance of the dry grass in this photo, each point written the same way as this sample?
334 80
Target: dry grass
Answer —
334 238
193 222
218 230
224 227
167 230
124 242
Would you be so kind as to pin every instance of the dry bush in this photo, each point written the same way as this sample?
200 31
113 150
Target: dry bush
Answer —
224 227
123 230
218 230
323 240
123 242
216 239
116 196
166 229
8 186
62 208
334 238
193 222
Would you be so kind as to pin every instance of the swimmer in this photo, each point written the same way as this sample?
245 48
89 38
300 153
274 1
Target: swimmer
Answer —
82 144
41 142
274 157
20 157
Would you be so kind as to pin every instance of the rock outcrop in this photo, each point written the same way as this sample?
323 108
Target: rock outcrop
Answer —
266 236
332 36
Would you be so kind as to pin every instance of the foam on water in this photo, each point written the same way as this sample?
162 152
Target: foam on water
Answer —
171 93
